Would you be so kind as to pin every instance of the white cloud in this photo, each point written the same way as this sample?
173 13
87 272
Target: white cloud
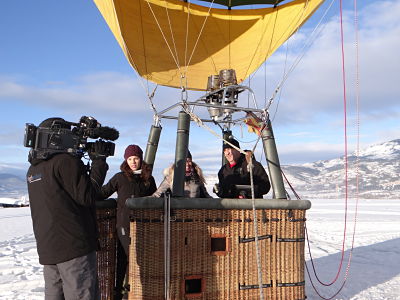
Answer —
109 92
11 136
310 151
316 86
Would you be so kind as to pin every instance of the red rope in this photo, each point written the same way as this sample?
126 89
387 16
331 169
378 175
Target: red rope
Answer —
345 156
346 165
346 171
345 148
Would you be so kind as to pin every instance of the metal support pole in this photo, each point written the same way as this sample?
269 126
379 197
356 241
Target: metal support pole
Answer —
152 145
167 245
182 143
274 166
226 135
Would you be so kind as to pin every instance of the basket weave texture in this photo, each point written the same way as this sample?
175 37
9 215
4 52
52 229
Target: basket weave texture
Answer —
228 273
106 221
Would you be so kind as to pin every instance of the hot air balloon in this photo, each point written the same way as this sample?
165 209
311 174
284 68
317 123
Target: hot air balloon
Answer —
211 248
179 44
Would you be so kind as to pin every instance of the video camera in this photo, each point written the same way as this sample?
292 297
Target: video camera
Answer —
60 136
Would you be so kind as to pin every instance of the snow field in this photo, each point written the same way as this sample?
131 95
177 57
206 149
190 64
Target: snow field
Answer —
374 273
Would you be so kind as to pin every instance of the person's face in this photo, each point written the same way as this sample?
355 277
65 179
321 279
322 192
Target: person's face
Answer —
133 162
189 165
231 155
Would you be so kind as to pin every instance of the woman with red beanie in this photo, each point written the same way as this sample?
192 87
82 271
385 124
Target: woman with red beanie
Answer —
134 180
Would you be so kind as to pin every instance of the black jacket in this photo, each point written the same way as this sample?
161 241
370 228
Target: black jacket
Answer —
62 200
239 175
126 188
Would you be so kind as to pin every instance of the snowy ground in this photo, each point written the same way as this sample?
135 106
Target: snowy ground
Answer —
374 271
375 266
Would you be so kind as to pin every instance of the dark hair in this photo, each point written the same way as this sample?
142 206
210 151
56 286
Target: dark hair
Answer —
146 171
198 173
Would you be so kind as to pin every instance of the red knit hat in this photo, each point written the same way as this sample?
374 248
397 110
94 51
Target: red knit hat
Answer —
133 150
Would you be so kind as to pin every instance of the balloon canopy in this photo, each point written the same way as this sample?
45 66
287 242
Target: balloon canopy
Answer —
179 44
231 3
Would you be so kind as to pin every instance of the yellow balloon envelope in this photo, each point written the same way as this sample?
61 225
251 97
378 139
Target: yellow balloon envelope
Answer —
179 44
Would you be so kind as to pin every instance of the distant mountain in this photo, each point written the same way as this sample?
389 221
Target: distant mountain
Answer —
12 186
378 174
14 169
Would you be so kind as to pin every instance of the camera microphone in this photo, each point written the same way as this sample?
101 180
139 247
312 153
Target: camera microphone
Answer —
104 132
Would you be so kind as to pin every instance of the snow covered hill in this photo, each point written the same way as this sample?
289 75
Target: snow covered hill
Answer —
378 170
378 176
11 185
13 188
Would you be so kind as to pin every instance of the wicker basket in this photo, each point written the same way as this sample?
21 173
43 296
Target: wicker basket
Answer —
213 254
106 219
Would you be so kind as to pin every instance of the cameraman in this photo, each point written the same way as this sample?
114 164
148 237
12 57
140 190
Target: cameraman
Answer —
62 193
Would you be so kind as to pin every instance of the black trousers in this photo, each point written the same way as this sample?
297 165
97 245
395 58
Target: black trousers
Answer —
122 271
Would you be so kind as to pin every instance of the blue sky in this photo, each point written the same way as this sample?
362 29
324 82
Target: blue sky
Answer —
58 58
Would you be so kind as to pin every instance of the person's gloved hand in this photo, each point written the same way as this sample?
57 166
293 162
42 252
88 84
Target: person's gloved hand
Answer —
232 191
249 155
242 195
217 190
98 150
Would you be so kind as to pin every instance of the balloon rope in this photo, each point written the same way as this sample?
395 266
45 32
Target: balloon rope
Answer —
260 41
229 39
199 35
273 31
310 40
187 32
170 29
199 122
345 153
255 224
163 35
253 202
280 90
186 41
357 168
146 90
135 67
